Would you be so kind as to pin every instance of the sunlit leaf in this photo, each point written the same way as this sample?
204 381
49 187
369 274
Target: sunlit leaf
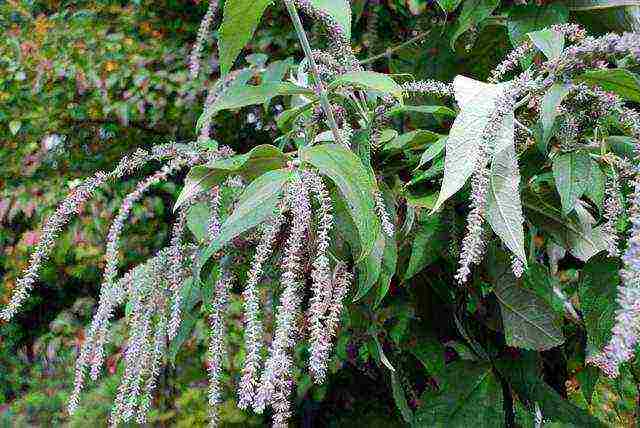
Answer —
339 10
249 165
239 22
257 204
356 185
369 80
550 42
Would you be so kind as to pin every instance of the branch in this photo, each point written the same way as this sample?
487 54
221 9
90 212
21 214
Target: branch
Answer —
320 89
391 51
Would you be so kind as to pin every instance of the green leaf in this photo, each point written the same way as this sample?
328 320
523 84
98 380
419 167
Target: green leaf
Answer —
595 191
436 169
198 220
597 292
572 174
619 81
549 109
433 151
582 5
369 268
400 398
473 13
239 22
14 126
528 320
430 352
238 96
549 42
257 204
434 110
504 208
574 233
469 394
413 140
369 80
339 10
390 253
427 244
526 380
257 161
477 102
356 184
523 19
449 5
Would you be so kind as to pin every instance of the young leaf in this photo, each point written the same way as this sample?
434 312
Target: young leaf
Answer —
549 108
504 208
242 95
257 204
369 80
239 22
356 184
249 165
572 174
468 394
550 42
528 320
477 102
339 10
473 13
619 81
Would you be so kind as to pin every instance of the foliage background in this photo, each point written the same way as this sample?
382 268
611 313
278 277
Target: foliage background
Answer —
82 82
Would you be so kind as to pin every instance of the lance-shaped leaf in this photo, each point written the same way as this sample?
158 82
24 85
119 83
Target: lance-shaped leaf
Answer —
249 165
572 174
504 208
369 80
238 96
369 268
339 10
529 322
257 204
356 184
239 22
549 108
477 102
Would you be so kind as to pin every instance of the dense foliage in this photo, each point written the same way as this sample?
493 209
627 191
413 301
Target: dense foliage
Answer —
401 213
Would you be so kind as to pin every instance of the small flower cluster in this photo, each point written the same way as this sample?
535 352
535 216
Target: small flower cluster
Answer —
612 212
473 243
429 87
203 33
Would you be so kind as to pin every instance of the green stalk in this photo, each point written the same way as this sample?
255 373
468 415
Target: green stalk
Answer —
320 89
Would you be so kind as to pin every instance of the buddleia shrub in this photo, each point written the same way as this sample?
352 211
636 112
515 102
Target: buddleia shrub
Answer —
546 147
